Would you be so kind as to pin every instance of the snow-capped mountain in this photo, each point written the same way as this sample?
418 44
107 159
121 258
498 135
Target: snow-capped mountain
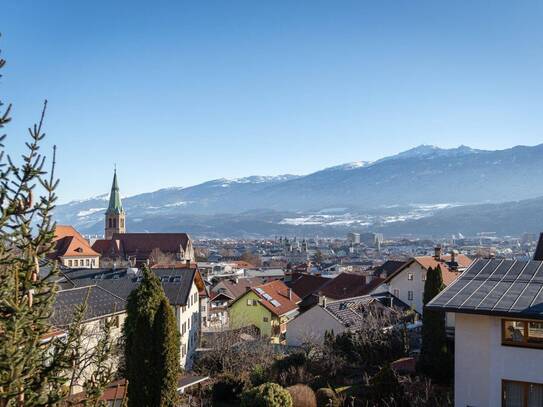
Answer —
423 176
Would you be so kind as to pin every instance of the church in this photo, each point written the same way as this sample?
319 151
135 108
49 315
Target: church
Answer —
137 249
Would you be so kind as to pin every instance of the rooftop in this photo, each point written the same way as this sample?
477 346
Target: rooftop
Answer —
496 287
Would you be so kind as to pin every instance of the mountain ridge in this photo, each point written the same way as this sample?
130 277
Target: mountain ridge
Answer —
421 176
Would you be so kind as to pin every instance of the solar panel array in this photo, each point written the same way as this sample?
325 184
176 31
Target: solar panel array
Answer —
496 287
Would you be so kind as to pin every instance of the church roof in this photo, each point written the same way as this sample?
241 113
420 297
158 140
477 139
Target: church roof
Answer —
115 204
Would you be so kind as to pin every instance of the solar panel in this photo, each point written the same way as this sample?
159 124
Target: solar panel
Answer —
525 300
275 303
259 290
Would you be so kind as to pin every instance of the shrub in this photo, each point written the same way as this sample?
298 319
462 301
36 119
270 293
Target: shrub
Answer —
291 369
228 388
385 386
259 375
266 395
302 396
326 397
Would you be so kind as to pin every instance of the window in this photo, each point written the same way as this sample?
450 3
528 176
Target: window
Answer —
183 328
69 263
521 394
88 262
522 333
410 276
423 276
265 319
410 295
396 292
249 302
110 222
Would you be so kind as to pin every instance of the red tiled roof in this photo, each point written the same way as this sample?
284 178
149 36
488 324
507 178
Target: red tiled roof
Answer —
141 245
306 284
348 285
279 292
70 243
237 288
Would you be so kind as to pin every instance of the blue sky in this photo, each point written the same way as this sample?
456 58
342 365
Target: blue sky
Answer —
177 92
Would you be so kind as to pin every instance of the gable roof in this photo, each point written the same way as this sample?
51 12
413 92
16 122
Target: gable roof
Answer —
277 297
348 285
449 271
352 312
69 242
236 288
306 284
495 287
140 245
388 267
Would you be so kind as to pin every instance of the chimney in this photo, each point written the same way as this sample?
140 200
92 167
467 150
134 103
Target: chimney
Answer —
453 256
437 253
188 263
322 300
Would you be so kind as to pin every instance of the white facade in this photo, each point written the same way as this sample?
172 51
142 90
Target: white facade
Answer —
80 262
311 326
408 286
482 362
188 322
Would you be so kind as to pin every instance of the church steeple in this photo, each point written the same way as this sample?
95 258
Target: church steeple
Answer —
115 217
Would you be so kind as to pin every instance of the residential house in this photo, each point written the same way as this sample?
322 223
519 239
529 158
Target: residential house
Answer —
268 307
305 286
407 282
181 286
72 249
338 316
101 305
499 333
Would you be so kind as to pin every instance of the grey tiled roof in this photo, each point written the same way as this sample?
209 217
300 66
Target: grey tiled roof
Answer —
352 312
175 282
496 287
100 302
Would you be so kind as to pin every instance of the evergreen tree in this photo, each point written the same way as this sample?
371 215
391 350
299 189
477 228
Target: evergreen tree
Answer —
435 360
141 307
167 355
151 345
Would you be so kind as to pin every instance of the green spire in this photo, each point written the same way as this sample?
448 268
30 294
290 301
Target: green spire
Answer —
115 205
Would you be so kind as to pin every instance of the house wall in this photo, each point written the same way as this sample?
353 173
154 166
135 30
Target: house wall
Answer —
188 323
80 262
311 326
482 362
92 332
404 285
242 314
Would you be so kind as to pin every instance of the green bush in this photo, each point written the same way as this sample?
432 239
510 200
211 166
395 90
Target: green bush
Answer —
326 397
259 375
302 396
228 388
266 395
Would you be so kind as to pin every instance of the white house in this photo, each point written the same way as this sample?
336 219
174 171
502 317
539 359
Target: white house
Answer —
499 333
336 316
407 282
